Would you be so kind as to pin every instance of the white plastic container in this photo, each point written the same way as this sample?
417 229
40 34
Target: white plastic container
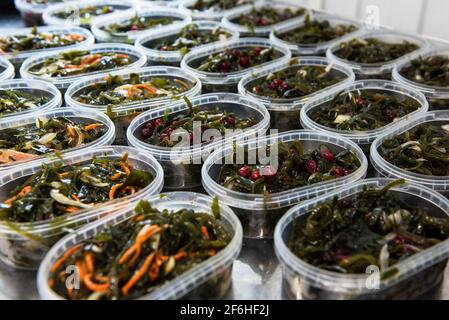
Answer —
183 167
227 82
363 138
259 214
438 97
73 7
122 115
75 115
284 113
35 88
63 83
389 170
300 49
6 69
258 31
209 279
32 13
173 58
23 245
415 275
130 36
17 58
380 70
164 3
211 14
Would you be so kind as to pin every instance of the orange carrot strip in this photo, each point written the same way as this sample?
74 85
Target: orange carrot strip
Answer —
22 193
116 176
205 232
180 255
138 274
64 257
125 168
90 262
92 126
71 209
97 287
113 190
75 197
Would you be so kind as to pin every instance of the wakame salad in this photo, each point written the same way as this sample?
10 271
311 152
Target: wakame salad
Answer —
267 16
217 5
432 70
138 23
13 101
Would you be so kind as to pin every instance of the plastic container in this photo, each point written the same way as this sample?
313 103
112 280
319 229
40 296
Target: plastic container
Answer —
284 113
257 31
131 36
6 69
33 87
210 279
73 7
216 15
173 58
260 214
219 82
163 3
300 49
438 97
363 138
23 245
63 83
415 275
75 115
17 58
32 13
183 167
380 70
122 115
387 169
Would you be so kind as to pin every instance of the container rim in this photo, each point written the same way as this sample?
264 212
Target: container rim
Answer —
185 6
23 5
9 72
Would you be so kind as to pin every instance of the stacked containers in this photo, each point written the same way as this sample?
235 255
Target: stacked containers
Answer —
6 69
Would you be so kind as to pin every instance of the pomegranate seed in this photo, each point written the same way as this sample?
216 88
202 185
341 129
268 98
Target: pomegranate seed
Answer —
257 89
244 62
225 66
269 173
244 171
236 53
326 154
146 133
158 122
255 175
390 115
257 50
284 87
339 172
311 166
164 136
275 84
360 102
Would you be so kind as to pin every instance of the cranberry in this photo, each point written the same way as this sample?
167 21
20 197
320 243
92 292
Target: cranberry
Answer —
284 87
146 133
236 53
255 175
257 50
293 152
230 121
164 136
158 122
244 171
275 84
269 173
244 61
327 154
339 172
390 115
311 166
360 102
257 89
164 48
150 125
225 67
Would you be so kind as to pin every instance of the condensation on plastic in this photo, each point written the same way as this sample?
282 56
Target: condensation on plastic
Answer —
8 69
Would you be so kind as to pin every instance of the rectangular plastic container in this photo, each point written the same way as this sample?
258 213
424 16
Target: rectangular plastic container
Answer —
417 275
6 69
284 113
210 279
258 214
23 245
182 170
211 14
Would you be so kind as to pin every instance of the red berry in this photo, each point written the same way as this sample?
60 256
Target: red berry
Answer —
225 67
229 121
164 48
164 136
311 166
146 133
339 172
244 61
293 152
275 84
257 89
390 115
257 50
255 175
284 87
263 22
360 102
158 122
236 53
244 171
269 173
326 154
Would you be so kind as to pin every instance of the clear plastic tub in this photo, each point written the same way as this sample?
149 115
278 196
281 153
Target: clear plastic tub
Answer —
17 58
186 7
122 115
34 88
260 214
130 36
183 167
227 82
415 275
438 97
284 113
6 69
166 3
380 70
300 49
32 13
63 83
173 58
73 7
75 115
210 279
257 31
23 245
387 169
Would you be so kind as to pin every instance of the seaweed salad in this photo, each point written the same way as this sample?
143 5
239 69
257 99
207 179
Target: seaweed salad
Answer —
12 101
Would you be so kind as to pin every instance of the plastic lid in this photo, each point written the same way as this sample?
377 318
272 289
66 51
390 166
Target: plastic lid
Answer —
383 35
257 202
432 91
356 283
50 19
18 57
166 3
186 7
25 6
295 103
8 69
317 48
176 56
144 73
232 77
387 169
64 82
182 284
30 119
207 101
55 98
363 137
145 11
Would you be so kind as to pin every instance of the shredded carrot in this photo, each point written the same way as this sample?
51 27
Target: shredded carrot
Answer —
74 36
97 287
62 174
140 217
80 269
125 168
22 193
70 131
180 255
51 282
205 232
122 55
66 254
212 252
92 126
147 87
141 239
71 209
90 262
138 274
101 278
116 176
154 272
113 190
129 189
75 197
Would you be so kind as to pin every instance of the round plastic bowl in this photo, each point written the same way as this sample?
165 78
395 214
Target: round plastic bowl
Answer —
284 113
386 169
363 138
24 245
438 97
6 69
186 7
380 70
260 214
209 279
227 82
158 57
415 275
63 83
183 167
31 13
